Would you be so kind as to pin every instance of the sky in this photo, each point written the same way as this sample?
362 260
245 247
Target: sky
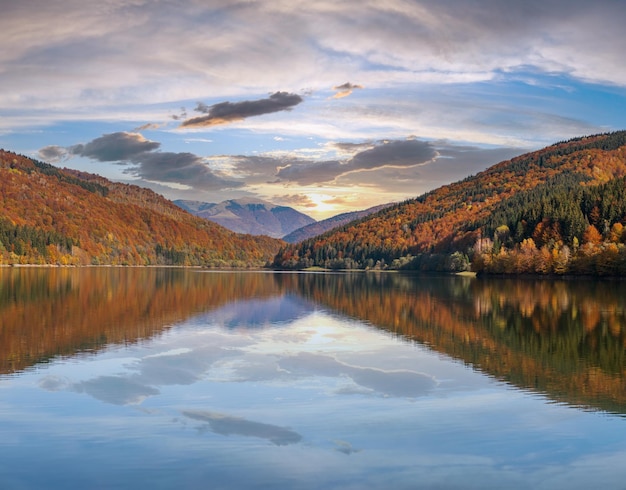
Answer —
324 106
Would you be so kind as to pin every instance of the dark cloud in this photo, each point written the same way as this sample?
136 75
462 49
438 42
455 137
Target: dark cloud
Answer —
473 157
400 153
115 147
453 160
182 115
53 153
347 86
351 147
226 112
307 172
156 166
227 425
345 89
397 153
181 168
258 166
202 107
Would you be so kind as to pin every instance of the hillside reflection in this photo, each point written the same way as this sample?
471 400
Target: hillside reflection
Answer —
52 312
564 339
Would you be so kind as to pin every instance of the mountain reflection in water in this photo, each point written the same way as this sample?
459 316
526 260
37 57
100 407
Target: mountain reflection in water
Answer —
562 338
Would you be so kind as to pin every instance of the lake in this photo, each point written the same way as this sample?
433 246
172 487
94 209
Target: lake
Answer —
115 378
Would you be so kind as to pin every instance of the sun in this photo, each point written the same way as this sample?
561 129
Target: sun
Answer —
322 206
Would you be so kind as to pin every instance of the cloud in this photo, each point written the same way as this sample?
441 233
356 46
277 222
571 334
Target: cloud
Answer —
179 168
398 153
340 200
257 167
407 153
226 112
454 162
350 148
290 44
143 127
182 115
307 172
227 425
403 52
115 147
298 200
345 90
52 153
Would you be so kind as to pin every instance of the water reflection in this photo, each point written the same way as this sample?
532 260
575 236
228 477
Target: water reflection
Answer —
227 425
566 339
562 338
401 383
259 380
61 311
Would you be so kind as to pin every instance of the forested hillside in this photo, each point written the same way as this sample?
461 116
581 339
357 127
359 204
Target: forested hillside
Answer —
54 216
558 210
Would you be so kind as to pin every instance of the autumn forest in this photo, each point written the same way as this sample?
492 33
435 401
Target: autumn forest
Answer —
65 217
560 210
557 211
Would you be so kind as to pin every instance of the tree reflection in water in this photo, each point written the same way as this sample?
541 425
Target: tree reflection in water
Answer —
562 338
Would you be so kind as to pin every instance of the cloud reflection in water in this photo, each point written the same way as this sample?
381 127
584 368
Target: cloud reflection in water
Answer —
227 425
400 383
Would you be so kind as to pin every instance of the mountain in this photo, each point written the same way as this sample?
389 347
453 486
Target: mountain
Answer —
60 216
251 216
319 227
559 210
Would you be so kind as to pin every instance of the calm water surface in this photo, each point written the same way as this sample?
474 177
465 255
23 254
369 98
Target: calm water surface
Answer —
165 378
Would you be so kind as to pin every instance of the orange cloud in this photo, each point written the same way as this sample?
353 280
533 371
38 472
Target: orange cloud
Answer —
345 89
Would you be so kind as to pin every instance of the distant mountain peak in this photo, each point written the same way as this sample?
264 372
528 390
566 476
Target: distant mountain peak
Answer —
249 215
